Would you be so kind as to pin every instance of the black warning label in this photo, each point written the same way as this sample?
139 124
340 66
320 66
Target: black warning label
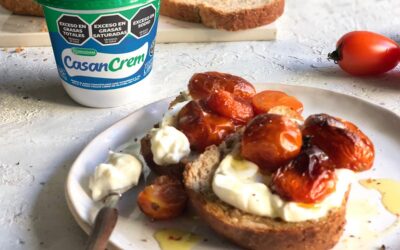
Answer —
143 21
110 29
73 29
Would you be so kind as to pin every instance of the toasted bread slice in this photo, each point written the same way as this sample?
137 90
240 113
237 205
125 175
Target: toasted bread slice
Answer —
251 231
23 7
224 14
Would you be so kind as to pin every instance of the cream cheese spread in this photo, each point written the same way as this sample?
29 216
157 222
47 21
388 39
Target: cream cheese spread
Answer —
120 173
168 145
239 183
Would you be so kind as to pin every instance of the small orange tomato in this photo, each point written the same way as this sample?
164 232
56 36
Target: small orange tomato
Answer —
271 141
164 199
202 127
266 100
307 179
345 144
201 85
226 104
286 111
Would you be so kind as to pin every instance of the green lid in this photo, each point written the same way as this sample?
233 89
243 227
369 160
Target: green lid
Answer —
90 4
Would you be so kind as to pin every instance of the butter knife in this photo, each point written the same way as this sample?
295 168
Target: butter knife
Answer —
104 224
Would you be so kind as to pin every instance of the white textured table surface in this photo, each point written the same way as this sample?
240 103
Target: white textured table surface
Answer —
42 130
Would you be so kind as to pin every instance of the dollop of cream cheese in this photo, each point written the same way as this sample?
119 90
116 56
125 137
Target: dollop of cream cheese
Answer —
120 173
168 145
239 183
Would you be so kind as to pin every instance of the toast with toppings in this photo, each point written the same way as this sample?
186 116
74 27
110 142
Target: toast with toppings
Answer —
202 116
251 231
23 7
229 15
311 179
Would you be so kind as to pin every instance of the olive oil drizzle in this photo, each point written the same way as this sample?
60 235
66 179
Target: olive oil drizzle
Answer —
390 191
174 239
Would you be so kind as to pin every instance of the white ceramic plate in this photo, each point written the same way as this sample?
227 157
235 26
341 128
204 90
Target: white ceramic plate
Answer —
134 231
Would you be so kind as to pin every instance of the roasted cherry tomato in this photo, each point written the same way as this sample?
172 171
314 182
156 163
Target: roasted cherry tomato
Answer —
164 199
265 100
202 127
307 179
366 53
271 141
226 104
201 85
286 111
345 144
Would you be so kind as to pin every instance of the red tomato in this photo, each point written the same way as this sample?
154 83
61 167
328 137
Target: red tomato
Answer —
226 104
365 53
307 179
164 199
346 145
271 141
202 127
201 85
267 99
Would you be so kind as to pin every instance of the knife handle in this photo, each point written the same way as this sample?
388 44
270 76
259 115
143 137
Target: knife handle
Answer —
104 224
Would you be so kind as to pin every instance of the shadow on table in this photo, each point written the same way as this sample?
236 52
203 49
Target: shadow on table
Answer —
389 80
50 91
53 224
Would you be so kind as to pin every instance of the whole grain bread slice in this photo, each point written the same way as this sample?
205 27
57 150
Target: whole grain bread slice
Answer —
251 231
230 15
23 7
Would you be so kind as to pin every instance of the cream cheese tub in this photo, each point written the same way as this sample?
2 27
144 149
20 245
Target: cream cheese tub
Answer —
103 48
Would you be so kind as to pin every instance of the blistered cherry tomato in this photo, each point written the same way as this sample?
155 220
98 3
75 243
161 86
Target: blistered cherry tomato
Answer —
271 141
226 104
201 85
202 127
265 100
164 199
366 53
307 179
345 144
286 111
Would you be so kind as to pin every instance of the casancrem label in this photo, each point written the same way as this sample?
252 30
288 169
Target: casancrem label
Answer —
104 50
104 65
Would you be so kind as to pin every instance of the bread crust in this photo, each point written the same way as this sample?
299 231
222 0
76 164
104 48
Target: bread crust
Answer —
23 7
181 11
172 170
251 231
214 18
